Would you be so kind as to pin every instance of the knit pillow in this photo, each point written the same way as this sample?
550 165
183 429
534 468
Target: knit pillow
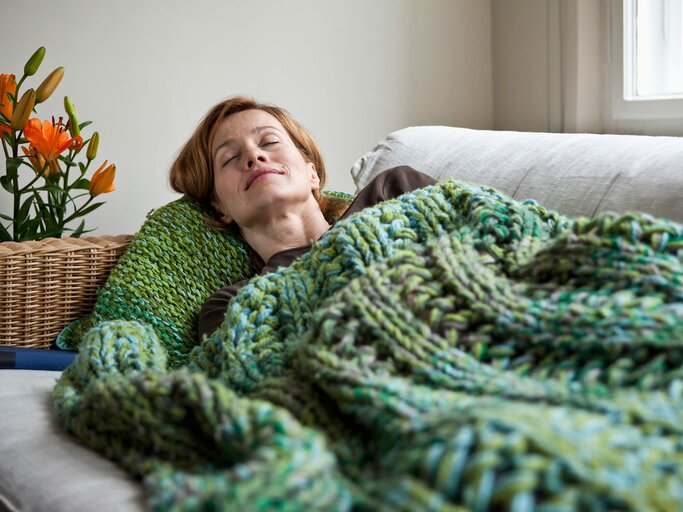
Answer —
171 267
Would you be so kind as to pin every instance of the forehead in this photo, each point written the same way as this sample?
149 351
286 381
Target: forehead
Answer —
245 123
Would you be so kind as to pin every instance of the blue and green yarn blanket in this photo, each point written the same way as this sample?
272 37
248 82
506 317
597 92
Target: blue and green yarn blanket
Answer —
451 349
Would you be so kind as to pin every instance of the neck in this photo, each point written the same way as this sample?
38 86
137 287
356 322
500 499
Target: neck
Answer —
286 231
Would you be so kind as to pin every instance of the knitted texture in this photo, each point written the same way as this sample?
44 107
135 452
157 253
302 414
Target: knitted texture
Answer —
174 263
448 350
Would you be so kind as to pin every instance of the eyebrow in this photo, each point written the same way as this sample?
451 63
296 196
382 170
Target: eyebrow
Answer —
257 129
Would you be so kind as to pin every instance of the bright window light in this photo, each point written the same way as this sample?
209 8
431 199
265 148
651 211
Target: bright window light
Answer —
653 49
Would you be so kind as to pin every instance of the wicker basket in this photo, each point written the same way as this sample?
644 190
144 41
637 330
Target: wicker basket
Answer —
46 284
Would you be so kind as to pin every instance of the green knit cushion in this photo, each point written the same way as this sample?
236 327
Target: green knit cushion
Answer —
171 267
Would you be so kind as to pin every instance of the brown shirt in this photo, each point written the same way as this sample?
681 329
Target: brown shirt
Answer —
387 185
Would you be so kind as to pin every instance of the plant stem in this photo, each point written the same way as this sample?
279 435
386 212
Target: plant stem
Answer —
25 188
65 195
19 85
15 183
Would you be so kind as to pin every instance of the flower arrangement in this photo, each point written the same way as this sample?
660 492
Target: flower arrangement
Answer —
56 192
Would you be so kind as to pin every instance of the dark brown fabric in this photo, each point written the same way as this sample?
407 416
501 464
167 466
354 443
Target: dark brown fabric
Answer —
387 185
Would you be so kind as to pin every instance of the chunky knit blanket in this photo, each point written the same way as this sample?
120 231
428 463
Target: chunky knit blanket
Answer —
448 350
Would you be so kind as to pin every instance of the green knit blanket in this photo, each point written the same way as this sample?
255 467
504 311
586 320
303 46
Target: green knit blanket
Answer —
452 349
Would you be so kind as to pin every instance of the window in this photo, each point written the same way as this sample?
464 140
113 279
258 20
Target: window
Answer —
647 59
653 43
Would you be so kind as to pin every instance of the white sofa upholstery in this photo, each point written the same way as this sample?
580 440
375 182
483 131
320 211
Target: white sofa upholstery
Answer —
575 174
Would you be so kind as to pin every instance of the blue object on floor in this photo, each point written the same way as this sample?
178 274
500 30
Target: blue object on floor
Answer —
14 358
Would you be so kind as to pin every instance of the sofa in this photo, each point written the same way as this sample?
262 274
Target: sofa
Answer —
44 469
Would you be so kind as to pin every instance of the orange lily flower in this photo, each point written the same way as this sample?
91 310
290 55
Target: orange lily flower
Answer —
8 85
102 180
49 140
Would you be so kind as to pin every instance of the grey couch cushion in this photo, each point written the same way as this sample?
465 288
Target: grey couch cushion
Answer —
575 174
41 467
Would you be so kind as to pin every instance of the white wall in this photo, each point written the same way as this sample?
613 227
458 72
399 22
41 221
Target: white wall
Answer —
547 65
522 45
351 71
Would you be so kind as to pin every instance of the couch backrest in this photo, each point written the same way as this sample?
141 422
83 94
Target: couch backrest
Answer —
575 174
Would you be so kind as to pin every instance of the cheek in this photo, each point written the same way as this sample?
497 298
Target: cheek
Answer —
294 156
225 188
226 182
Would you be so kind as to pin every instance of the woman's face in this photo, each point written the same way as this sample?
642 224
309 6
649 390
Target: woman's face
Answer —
257 169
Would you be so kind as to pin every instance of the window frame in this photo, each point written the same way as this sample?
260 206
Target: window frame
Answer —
634 108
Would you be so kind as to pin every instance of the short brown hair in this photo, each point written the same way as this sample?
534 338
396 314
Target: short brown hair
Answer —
192 171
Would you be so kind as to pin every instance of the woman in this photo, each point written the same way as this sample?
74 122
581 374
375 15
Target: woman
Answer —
261 174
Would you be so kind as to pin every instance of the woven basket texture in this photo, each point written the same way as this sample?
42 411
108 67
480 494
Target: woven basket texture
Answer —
46 284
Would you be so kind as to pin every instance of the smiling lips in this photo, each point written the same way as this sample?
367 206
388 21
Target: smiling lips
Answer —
258 173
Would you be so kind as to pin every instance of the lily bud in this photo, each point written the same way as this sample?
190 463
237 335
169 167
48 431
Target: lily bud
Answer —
23 110
36 159
49 85
73 119
69 107
34 62
102 180
91 152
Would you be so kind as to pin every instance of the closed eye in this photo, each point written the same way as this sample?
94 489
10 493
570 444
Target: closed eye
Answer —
228 160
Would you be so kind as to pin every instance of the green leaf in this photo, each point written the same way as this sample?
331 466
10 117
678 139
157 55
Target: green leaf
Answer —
12 167
7 184
79 230
6 217
84 124
81 166
51 225
45 213
4 234
57 206
83 183
29 229
5 118
46 233
22 141
49 188
87 210
39 199
23 211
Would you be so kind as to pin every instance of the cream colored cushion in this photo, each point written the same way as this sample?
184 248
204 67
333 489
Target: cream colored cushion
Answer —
575 174
41 467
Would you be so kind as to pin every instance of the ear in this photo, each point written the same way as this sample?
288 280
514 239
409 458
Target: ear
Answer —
315 179
223 217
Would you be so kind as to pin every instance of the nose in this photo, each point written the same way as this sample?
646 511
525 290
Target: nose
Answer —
250 162
255 155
